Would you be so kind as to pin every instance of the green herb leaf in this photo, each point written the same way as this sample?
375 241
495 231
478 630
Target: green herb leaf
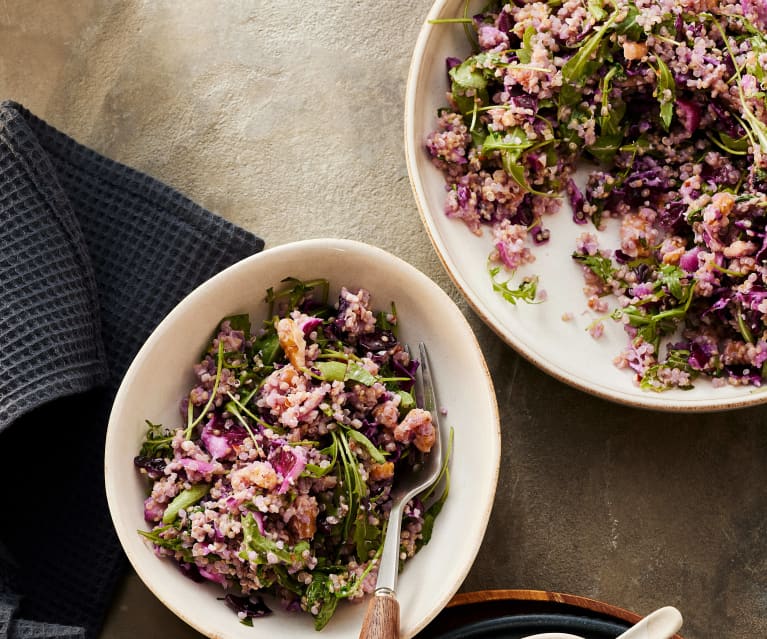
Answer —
238 323
353 485
157 442
268 347
629 26
467 76
651 326
612 112
332 371
254 541
596 10
606 146
174 543
367 538
406 401
670 277
296 291
518 173
357 373
525 54
677 359
665 92
319 595
578 69
320 471
435 508
525 291
375 454
515 141
735 146
601 266
184 499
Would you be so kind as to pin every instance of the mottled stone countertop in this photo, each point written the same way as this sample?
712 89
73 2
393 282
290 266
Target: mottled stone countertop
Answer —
287 118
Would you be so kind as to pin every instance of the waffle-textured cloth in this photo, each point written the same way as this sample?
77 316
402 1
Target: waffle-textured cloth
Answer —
93 255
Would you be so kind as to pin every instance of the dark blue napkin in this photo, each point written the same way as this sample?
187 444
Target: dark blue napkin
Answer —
93 255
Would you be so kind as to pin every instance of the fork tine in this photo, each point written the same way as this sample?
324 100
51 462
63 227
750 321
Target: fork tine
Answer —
430 397
417 381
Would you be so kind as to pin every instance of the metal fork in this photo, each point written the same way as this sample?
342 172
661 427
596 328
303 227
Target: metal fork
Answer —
382 616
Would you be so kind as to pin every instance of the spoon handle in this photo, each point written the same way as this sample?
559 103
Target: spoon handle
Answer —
382 616
661 624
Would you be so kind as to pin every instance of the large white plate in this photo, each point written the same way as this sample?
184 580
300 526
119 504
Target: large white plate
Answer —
563 349
162 372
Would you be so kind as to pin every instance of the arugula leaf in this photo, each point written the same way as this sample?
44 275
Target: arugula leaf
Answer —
596 9
319 595
297 291
677 359
651 326
383 322
268 346
239 322
665 92
515 141
367 537
285 580
254 541
525 291
406 401
183 500
743 327
320 471
735 146
628 26
375 454
335 371
606 146
611 113
436 508
332 371
759 47
157 442
578 69
525 54
518 173
467 76
357 373
601 266
353 484
176 544
670 278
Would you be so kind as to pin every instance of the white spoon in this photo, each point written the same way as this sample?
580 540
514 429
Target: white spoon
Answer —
661 624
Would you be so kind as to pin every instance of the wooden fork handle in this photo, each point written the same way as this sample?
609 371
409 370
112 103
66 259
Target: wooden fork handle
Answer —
382 616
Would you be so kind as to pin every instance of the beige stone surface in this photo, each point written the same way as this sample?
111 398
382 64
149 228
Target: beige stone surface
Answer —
287 118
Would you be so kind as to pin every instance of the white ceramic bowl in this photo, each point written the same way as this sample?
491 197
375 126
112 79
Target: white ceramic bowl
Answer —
565 350
162 372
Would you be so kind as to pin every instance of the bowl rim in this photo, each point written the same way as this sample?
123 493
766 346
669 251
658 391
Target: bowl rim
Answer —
329 244
652 401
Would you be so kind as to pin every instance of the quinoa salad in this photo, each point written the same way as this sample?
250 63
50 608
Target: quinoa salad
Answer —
646 115
278 481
